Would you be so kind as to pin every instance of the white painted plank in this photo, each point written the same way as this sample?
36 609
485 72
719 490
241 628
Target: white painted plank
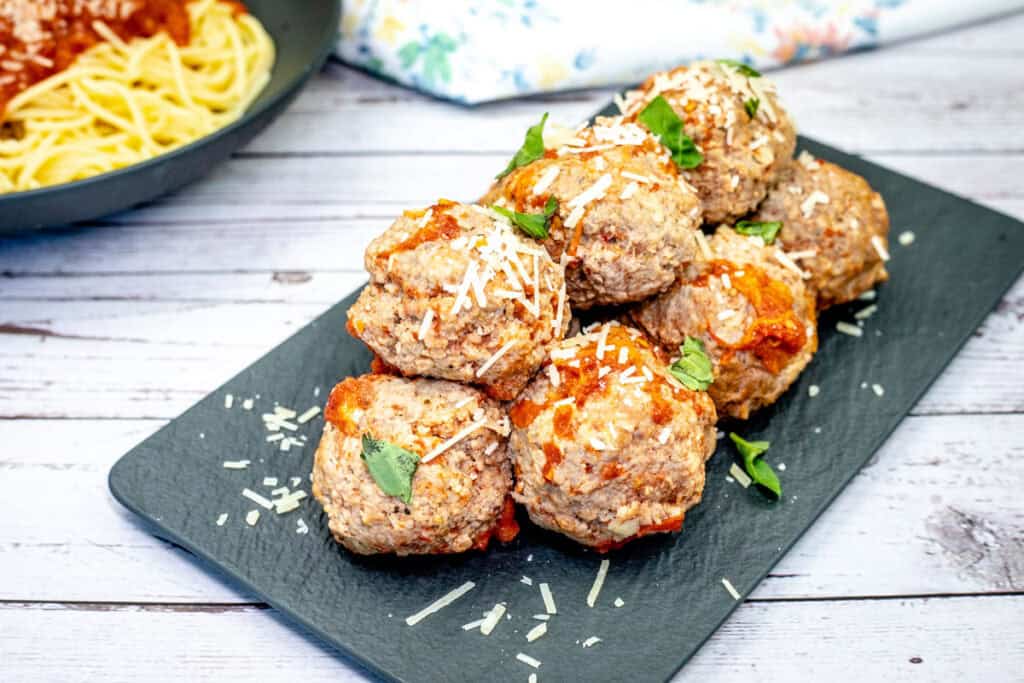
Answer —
937 512
975 638
930 99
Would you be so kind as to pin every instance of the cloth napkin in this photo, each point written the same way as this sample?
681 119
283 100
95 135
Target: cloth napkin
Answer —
478 50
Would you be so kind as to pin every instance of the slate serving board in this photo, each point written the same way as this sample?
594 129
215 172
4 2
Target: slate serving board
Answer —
941 288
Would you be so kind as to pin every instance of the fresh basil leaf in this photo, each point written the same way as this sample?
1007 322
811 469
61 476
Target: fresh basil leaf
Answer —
759 470
533 224
751 105
659 118
766 230
693 368
390 466
745 69
531 149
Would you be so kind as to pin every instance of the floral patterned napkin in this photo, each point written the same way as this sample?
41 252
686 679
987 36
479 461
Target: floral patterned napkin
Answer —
478 50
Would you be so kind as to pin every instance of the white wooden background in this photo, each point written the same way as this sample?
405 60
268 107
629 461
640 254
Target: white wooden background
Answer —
108 331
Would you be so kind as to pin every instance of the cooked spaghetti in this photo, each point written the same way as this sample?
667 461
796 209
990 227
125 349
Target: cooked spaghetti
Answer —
89 86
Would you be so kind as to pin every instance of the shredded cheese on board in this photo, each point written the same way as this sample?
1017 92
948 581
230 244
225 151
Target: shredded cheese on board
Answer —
440 603
595 590
548 598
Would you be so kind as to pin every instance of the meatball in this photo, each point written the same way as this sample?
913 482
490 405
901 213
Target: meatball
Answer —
456 293
460 488
743 154
625 219
835 214
607 445
755 317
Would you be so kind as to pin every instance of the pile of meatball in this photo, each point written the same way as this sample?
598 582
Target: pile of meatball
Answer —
484 372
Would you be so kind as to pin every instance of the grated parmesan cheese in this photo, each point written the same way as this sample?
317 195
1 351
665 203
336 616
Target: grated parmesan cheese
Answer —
813 390
247 404
548 598
702 244
629 190
252 517
619 602
545 179
301 527
428 318
732 589
494 358
541 617
475 624
228 400
257 498
440 603
878 389
847 328
308 415
527 659
526 580
906 238
664 436
536 632
595 590
866 312
591 641
788 264
236 464
807 160
879 244
492 618
812 200
741 477
462 434
222 518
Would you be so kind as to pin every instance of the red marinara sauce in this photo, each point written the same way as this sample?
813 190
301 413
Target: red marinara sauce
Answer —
39 38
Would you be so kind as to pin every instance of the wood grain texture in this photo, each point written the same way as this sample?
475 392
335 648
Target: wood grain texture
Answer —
970 638
109 331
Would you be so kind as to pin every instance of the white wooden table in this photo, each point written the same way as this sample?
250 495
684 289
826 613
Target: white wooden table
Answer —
109 331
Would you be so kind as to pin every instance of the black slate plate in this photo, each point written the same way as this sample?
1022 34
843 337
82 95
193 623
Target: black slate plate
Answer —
304 32
942 286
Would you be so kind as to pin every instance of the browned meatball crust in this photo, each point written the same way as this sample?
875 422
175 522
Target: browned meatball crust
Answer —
755 317
835 217
608 446
743 155
457 293
625 219
460 498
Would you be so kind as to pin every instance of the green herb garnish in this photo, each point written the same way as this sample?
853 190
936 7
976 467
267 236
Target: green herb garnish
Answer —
745 69
390 466
751 105
531 150
759 470
661 120
533 224
766 230
693 368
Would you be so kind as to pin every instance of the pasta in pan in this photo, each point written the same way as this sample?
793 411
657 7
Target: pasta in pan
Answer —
122 101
